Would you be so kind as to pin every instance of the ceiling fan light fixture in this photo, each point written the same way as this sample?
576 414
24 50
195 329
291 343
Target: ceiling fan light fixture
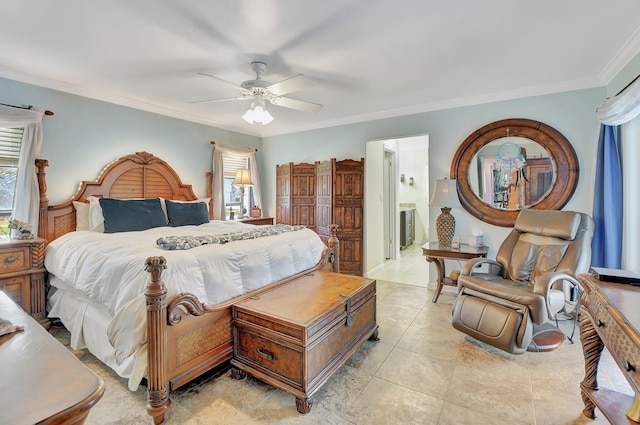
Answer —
257 113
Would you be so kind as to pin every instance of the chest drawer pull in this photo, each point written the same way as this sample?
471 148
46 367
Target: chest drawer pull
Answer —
265 355
628 366
11 259
599 323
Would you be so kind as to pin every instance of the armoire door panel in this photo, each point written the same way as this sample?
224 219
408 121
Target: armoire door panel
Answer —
283 194
304 216
324 193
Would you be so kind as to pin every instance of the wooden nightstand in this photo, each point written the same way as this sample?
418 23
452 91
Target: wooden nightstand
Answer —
22 275
261 221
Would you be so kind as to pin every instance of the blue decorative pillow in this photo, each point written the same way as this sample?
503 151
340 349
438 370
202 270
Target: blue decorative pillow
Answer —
132 214
186 213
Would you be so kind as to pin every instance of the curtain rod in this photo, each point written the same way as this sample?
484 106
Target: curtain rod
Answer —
627 86
213 143
48 113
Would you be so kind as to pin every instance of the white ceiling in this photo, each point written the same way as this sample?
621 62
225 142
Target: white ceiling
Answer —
368 59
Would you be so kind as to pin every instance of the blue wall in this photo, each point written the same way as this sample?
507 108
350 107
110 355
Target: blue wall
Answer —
85 135
572 113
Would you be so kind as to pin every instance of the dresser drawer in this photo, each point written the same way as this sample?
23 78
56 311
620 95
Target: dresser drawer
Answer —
281 360
14 259
17 288
615 339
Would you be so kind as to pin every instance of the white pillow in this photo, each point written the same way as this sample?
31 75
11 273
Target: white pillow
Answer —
96 219
82 215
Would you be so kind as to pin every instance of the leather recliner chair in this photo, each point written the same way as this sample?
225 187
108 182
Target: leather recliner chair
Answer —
532 279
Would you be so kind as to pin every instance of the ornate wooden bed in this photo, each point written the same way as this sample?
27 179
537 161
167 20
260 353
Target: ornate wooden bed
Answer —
185 338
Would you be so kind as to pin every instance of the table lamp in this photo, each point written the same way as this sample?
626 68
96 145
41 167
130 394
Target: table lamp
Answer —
445 196
242 179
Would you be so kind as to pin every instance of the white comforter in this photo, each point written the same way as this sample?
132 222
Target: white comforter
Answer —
110 268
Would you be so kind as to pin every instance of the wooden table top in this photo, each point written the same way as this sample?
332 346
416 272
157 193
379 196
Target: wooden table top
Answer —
433 249
321 291
42 381
624 299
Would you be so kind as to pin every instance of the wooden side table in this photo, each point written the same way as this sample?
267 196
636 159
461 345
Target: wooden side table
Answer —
42 381
436 254
260 221
22 275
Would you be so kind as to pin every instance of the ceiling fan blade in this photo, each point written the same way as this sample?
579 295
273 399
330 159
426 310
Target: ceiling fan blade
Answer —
295 83
299 105
234 85
220 100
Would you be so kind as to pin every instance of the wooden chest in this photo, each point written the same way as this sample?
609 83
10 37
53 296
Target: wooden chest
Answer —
297 336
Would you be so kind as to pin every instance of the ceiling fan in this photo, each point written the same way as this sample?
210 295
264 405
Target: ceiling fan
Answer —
260 91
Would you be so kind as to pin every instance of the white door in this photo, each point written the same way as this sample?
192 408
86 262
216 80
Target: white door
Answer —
390 207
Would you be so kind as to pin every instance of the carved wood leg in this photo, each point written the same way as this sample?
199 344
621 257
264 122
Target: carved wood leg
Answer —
439 263
158 401
592 347
334 244
304 406
238 374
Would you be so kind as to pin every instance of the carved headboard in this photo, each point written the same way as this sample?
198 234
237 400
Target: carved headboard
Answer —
139 175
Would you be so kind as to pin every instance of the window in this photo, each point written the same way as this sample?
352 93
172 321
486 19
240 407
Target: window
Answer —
10 143
233 199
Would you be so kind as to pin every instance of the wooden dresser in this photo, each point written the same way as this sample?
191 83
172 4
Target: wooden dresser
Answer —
22 275
42 381
610 317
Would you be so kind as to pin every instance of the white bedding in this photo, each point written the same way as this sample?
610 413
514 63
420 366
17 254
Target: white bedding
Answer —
109 269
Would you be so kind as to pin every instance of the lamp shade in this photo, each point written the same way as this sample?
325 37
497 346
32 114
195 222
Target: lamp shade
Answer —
243 177
445 194
257 112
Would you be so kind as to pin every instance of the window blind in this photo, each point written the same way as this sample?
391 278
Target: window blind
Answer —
232 163
10 142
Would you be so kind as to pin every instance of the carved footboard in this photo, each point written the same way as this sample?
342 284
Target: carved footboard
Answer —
186 338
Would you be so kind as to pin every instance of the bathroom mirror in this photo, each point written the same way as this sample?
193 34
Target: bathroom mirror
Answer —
514 164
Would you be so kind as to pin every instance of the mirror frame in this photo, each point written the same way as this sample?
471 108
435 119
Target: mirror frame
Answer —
565 177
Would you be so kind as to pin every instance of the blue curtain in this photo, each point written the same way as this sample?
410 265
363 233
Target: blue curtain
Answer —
606 246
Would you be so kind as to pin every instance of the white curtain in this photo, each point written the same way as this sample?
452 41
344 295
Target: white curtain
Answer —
630 138
218 176
26 203
624 110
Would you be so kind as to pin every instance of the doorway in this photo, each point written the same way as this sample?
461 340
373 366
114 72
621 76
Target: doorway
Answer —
385 193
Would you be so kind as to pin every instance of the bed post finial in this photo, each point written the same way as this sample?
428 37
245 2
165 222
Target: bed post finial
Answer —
158 401
43 225
334 244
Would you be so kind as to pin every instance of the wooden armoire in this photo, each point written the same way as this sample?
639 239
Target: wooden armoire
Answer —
325 192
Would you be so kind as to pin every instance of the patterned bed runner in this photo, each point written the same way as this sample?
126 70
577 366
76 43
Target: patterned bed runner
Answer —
171 243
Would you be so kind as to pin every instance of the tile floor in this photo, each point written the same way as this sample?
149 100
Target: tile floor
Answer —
422 371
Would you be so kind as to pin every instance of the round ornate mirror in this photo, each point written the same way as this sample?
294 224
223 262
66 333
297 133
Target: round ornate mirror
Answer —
514 164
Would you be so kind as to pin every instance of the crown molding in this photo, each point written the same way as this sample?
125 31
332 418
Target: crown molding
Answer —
449 104
627 52
261 131
110 96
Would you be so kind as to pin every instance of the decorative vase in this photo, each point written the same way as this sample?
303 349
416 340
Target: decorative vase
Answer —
445 227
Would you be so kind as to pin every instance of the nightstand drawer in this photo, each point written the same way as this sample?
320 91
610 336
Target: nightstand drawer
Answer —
17 288
614 337
14 259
